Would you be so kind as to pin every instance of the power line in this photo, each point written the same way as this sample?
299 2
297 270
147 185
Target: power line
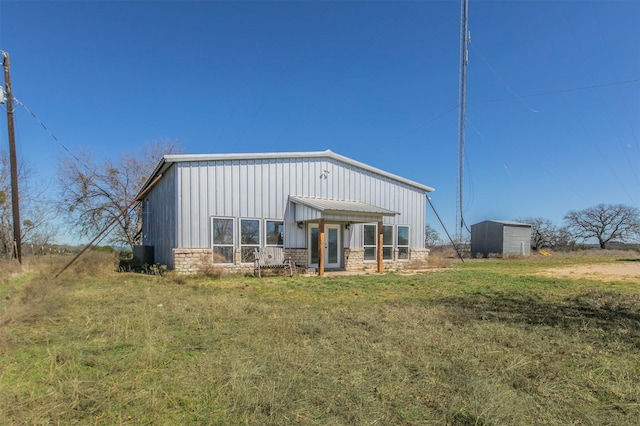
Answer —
123 212
430 120
501 80
603 104
556 92
615 74
46 129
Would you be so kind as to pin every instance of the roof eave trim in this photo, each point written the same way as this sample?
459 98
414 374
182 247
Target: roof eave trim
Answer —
160 169
360 213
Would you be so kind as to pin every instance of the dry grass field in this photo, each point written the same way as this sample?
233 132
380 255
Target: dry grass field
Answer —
487 342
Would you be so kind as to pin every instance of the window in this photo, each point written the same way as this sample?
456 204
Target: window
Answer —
275 233
369 245
249 239
403 243
222 239
387 242
313 245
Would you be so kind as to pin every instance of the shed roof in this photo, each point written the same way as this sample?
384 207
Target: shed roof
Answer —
168 160
330 205
508 223
314 208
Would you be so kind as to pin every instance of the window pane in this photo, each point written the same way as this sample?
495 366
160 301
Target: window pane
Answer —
275 231
370 253
222 231
403 253
369 235
223 255
387 253
247 254
403 235
370 242
403 242
249 231
314 245
332 246
387 235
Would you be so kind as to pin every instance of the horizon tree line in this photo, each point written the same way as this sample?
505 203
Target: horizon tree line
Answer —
94 193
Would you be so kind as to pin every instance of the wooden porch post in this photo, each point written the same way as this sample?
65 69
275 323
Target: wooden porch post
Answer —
321 247
379 247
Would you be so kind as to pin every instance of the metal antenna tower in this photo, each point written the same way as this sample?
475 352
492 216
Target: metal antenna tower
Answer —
465 38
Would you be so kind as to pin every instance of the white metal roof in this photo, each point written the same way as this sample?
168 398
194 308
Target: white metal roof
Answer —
508 222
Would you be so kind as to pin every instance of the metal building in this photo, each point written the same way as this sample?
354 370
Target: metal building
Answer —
502 237
217 209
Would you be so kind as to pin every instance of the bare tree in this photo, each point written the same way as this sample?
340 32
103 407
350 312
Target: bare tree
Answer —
96 193
34 207
39 229
604 222
431 237
565 241
6 225
544 234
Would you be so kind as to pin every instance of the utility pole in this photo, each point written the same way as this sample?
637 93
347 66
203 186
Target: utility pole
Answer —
15 200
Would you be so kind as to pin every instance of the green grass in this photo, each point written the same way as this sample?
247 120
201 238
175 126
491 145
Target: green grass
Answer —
485 342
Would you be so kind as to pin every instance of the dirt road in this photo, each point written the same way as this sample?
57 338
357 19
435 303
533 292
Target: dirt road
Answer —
620 271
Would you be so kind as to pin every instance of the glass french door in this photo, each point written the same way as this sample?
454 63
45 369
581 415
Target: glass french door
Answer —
331 246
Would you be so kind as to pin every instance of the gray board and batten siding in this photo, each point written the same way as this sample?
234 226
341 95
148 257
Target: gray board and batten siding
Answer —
506 238
177 212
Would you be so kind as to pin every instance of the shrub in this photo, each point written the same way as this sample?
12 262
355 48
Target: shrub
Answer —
8 269
210 269
95 263
40 298
172 277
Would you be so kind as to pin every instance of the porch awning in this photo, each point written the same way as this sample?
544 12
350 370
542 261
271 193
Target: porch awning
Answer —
312 208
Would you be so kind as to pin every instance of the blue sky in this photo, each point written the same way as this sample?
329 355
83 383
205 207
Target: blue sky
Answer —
553 90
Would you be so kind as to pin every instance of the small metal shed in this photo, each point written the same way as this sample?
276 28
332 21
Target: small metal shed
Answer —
503 237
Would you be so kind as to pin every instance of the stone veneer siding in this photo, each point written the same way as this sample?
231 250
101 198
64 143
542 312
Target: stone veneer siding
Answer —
195 260
419 255
354 260
299 256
